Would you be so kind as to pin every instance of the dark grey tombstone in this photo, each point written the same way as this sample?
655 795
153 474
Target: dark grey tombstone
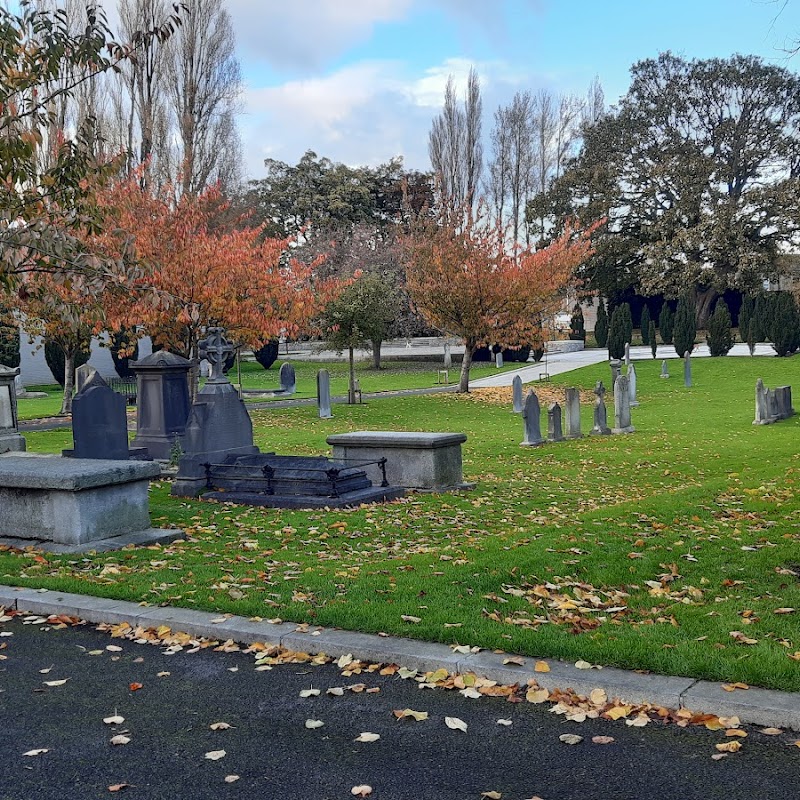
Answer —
498 360
99 424
448 357
554 430
600 426
572 412
10 438
784 396
772 406
622 406
616 369
516 394
664 372
687 370
632 385
287 379
83 375
531 413
162 402
324 394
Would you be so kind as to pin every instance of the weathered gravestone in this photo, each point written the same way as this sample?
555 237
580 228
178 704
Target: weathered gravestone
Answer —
516 394
600 426
632 385
22 393
83 375
498 360
687 370
324 394
622 406
448 357
572 412
10 438
616 369
554 430
99 423
531 414
162 402
287 379
664 372
627 354
772 404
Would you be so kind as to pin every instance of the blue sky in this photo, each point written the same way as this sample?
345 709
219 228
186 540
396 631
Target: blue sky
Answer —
360 80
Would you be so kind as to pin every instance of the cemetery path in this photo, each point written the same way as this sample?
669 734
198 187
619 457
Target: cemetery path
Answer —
58 738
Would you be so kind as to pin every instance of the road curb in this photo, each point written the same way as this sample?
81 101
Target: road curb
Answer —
755 706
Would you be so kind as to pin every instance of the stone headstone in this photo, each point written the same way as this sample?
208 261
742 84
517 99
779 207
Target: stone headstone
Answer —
498 360
19 386
531 415
99 424
627 354
84 374
554 430
687 370
324 394
572 412
783 395
664 372
448 357
772 405
286 376
205 368
762 409
162 407
622 406
10 438
616 369
516 394
600 426
632 385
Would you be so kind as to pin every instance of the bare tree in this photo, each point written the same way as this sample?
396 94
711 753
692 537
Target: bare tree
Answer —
595 105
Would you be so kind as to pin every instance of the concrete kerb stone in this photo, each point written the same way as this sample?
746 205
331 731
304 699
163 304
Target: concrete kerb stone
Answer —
755 706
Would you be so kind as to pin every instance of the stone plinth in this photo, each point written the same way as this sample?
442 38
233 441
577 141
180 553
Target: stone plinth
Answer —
10 439
413 460
73 503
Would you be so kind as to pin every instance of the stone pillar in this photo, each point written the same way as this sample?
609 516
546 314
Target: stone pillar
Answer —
162 402
10 439
498 360
600 426
572 412
324 394
664 371
632 385
616 369
687 370
554 430
622 407
516 392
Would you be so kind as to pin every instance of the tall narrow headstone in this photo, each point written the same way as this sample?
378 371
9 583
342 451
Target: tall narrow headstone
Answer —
627 354
664 372
762 409
324 394
772 405
84 374
99 424
531 413
687 370
516 394
616 368
10 438
448 357
784 396
287 379
600 426
622 406
632 385
572 412
498 360
554 429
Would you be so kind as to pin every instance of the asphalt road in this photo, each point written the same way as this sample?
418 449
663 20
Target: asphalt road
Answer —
275 756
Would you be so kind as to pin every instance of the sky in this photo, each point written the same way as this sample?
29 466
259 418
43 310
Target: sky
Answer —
359 81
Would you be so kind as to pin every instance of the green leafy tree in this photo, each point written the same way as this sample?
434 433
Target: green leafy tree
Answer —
666 323
746 311
751 337
651 337
685 329
644 325
616 334
785 324
577 327
601 325
720 335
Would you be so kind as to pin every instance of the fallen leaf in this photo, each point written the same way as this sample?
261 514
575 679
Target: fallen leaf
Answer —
729 747
598 697
335 691
438 676
618 712
118 787
215 755
719 756
361 791
343 661
410 713
220 726
231 778
639 721
537 695
409 618
312 692
114 648
55 683
406 673
582 665
602 739
505 722
120 739
367 737
115 720
516 661
738 732
45 671
455 724
771 731
311 724
491 795
39 752
163 674
570 738
783 611
471 692
134 687
541 666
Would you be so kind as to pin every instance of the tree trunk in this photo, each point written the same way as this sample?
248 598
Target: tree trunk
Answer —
703 300
376 353
69 382
351 386
466 363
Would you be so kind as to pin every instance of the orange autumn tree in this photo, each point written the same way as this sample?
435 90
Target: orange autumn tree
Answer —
466 281
206 272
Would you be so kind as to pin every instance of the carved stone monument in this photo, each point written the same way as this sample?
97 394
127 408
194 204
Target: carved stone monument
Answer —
287 378
632 385
622 406
664 372
554 430
572 413
600 426
10 438
324 394
516 394
531 414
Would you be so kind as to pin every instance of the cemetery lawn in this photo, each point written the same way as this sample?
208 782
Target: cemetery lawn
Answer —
675 549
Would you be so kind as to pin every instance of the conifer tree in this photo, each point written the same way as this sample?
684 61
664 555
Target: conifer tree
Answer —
666 323
616 334
745 315
628 322
785 328
751 337
577 327
601 325
720 335
651 336
644 325
685 328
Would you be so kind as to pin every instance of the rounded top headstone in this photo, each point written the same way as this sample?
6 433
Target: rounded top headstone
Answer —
160 360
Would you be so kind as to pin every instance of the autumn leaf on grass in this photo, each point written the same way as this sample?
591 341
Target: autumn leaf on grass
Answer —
409 618
215 755
738 636
408 713
455 724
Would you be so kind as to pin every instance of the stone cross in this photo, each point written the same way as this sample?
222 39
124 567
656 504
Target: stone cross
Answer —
516 392
498 360
616 368
687 370
600 426
554 431
531 413
622 406
632 385
572 412
664 373
217 350
324 394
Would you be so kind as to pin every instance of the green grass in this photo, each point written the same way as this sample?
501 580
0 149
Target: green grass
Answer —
38 407
698 502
